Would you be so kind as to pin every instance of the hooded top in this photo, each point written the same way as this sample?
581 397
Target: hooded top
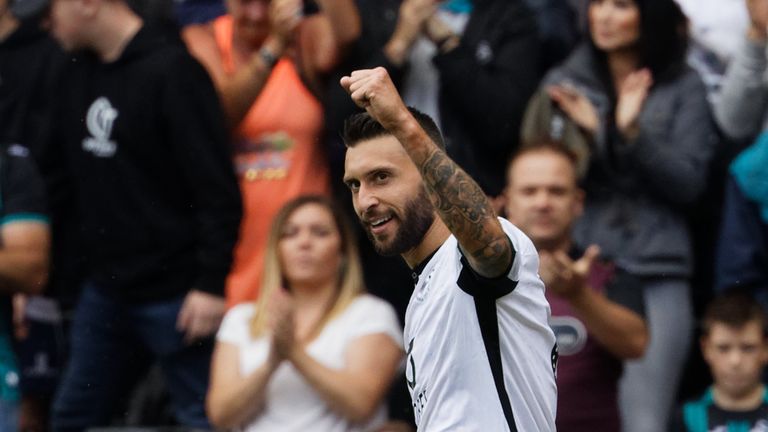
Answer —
146 144
29 62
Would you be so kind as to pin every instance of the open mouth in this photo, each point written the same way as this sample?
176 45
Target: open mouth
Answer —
379 224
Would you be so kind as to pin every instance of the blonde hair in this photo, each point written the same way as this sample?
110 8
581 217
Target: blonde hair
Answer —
350 278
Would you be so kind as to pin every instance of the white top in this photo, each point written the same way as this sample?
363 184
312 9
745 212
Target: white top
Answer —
291 404
717 28
454 320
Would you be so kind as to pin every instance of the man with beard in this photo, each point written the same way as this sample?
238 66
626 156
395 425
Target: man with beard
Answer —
481 355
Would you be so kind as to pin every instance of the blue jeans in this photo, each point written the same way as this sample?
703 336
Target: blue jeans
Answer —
111 344
9 416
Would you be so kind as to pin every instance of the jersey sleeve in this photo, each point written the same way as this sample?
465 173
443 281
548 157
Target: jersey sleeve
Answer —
236 324
475 284
22 190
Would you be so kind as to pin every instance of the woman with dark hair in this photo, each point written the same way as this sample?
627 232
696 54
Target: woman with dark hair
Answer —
314 353
647 122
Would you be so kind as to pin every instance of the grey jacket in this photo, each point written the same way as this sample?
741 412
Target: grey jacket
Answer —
742 106
636 191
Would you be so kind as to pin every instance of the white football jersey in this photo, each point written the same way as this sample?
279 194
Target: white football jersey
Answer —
480 352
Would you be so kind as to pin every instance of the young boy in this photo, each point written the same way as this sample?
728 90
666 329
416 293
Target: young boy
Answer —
734 344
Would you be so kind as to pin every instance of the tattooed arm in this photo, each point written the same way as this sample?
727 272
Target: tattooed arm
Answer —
459 201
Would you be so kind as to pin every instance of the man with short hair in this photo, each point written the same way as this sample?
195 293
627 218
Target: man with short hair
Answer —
597 309
481 355
145 143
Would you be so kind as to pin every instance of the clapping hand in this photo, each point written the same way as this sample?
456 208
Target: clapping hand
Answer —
564 276
284 17
412 17
282 323
575 105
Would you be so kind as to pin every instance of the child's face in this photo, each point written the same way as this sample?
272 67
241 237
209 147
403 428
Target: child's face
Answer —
736 357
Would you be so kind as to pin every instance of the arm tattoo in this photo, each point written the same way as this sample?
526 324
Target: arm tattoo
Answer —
466 211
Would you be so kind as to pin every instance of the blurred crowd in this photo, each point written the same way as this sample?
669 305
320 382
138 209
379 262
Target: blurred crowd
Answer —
178 248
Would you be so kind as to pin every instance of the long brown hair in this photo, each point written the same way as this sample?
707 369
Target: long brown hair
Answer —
350 278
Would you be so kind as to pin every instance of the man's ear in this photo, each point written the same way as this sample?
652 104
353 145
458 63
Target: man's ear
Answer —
764 356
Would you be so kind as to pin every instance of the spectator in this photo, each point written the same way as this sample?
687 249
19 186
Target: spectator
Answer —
30 66
25 237
723 59
314 353
266 61
715 28
558 25
158 208
598 313
28 62
742 253
735 346
464 69
742 109
652 140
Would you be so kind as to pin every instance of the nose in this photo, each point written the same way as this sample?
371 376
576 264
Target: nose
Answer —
256 10
542 201
365 200
734 357
303 239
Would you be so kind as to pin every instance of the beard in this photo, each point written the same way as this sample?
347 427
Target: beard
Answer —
419 216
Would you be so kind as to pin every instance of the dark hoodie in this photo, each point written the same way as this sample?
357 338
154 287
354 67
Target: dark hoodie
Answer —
146 143
29 63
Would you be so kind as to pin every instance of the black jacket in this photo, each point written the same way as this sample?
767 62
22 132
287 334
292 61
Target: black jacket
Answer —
485 84
146 145
31 65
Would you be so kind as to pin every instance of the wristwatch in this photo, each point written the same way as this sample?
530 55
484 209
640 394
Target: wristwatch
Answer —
267 57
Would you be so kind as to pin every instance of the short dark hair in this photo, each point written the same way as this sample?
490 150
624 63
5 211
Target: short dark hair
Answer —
734 308
362 127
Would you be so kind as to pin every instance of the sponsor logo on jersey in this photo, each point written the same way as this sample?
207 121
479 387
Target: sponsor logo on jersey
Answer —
570 333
